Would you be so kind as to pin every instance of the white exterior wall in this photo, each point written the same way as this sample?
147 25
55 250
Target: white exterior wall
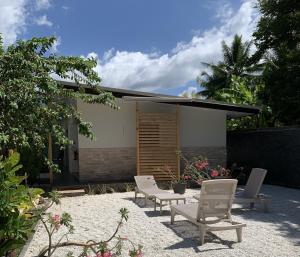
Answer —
117 128
112 156
202 127
112 128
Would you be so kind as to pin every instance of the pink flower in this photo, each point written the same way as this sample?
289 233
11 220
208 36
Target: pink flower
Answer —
214 173
107 254
200 165
56 218
187 177
56 221
135 253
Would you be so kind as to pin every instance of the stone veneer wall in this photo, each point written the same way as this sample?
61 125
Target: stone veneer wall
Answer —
107 164
215 155
119 164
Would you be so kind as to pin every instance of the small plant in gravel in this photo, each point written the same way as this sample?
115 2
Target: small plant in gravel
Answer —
106 248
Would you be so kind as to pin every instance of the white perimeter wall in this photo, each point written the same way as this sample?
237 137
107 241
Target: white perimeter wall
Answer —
117 128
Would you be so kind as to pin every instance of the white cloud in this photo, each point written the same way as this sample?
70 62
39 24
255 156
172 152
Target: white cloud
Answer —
189 92
14 16
108 54
143 71
43 4
43 21
56 44
12 19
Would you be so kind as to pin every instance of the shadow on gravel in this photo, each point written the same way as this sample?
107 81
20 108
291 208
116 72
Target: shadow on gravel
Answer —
284 213
152 214
140 202
190 235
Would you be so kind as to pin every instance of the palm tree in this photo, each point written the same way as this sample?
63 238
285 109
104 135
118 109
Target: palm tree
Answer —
237 61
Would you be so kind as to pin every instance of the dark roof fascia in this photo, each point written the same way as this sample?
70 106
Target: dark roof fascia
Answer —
167 99
117 92
199 103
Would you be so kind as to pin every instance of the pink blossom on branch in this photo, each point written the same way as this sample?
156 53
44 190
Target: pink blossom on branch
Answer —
187 177
56 221
214 173
200 165
105 254
56 218
135 253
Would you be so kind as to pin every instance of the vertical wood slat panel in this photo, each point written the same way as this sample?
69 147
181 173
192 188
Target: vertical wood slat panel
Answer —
157 143
177 140
137 139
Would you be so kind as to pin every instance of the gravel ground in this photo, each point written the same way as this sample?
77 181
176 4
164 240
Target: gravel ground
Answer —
267 234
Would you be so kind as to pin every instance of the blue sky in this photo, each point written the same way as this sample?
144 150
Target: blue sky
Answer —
140 44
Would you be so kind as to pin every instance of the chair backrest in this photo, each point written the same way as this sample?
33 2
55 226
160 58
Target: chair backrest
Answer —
145 182
216 198
254 182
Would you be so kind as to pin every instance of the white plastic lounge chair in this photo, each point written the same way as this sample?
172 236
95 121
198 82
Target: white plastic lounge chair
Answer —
251 193
214 206
147 186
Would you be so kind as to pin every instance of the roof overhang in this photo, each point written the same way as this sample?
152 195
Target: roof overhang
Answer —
232 110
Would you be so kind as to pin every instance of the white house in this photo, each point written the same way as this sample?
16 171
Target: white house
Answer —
145 133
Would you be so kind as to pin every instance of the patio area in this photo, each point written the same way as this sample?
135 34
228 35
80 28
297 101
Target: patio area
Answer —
267 234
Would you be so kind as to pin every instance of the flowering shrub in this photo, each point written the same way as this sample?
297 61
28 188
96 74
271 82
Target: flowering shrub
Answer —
108 248
222 172
196 169
174 179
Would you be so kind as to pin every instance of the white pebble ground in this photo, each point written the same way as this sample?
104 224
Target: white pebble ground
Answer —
267 234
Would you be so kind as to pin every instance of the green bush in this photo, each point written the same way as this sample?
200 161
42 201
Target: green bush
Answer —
16 202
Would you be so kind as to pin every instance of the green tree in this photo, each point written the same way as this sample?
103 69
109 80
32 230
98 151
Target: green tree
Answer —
33 104
278 35
238 61
239 93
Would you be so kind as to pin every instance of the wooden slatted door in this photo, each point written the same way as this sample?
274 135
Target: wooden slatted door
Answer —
157 144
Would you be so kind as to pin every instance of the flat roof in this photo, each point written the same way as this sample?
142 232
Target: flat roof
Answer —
233 110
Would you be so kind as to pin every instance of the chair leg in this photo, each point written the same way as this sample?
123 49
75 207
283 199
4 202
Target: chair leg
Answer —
202 234
265 203
135 195
173 213
239 234
146 198
229 216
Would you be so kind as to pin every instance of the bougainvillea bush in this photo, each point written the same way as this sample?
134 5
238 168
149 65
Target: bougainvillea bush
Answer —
196 169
